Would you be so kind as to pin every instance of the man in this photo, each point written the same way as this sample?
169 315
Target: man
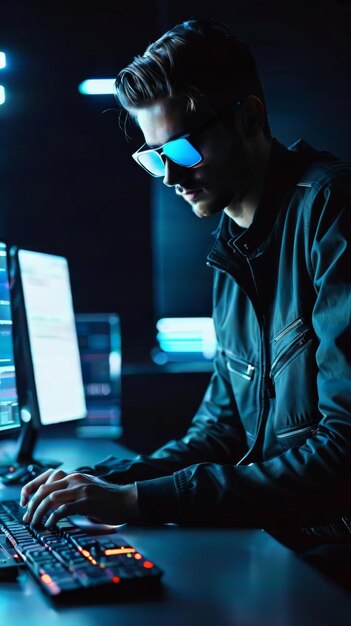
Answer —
271 442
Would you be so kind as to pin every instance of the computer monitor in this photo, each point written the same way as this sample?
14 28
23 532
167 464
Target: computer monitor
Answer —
9 407
47 356
99 338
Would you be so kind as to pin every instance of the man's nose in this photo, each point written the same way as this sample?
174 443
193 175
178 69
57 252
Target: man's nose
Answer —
174 174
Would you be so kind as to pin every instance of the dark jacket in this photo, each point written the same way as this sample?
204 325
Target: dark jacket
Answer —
271 441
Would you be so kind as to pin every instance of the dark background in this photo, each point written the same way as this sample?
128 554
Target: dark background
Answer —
69 185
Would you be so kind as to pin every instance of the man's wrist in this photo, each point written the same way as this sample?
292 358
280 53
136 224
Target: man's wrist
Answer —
131 502
158 500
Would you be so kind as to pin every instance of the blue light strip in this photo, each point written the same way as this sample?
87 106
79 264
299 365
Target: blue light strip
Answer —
189 324
97 86
2 88
187 334
181 346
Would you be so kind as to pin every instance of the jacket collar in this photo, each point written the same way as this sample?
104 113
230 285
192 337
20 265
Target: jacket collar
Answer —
285 169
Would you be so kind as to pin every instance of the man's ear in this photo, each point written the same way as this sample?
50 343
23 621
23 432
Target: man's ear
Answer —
253 115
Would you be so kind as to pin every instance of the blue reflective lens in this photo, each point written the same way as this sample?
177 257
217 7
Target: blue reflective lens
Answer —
151 161
182 152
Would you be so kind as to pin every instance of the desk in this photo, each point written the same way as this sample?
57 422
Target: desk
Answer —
213 577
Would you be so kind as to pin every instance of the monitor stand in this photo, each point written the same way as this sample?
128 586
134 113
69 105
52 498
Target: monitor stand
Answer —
22 455
25 447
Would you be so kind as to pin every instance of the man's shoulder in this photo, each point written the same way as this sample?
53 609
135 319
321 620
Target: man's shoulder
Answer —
323 168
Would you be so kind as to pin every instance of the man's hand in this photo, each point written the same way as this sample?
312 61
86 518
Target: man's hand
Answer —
71 494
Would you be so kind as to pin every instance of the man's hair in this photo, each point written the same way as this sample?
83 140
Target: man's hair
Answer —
194 59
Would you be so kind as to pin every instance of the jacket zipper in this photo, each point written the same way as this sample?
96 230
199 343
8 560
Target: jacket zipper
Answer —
292 350
288 329
243 369
297 431
264 390
264 387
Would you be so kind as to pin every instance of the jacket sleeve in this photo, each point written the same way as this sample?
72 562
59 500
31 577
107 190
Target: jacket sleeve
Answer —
215 434
307 484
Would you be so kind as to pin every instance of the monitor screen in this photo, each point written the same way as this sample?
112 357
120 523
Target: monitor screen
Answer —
9 409
52 335
99 338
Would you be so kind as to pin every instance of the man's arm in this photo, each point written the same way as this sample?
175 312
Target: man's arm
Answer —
215 435
59 494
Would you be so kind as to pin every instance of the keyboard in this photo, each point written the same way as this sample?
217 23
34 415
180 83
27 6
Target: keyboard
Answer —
68 560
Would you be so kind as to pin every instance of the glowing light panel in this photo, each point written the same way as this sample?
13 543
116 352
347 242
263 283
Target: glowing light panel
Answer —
187 334
2 60
97 86
2 94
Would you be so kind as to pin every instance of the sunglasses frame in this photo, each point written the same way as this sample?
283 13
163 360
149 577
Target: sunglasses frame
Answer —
159 151
210 122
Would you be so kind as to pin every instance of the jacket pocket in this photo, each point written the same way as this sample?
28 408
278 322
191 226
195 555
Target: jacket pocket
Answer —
296 436
238 366
295 326
291 349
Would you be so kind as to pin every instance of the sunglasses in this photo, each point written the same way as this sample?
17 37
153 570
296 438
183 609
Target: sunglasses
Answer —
181 150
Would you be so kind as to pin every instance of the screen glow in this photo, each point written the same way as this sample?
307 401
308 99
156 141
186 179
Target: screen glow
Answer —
2 94
53 338
2 60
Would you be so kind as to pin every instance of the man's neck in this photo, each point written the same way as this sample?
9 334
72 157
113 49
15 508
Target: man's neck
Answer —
243 212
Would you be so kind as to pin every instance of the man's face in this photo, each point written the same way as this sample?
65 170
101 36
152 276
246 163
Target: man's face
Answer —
223 178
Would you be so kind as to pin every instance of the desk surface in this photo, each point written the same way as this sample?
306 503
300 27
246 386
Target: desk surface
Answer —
213 577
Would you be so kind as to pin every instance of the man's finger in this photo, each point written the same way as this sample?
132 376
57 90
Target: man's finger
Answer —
53 501
33 485
76 507
43 492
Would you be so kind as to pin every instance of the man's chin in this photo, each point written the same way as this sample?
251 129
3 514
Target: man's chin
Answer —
205 209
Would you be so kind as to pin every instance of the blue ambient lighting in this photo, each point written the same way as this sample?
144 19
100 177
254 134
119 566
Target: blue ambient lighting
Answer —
188 335
97 86
2 60
2 94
